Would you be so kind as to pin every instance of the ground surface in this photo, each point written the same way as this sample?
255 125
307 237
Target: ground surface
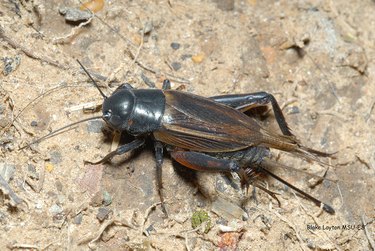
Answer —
316 57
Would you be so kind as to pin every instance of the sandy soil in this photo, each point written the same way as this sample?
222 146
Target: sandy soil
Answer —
316 57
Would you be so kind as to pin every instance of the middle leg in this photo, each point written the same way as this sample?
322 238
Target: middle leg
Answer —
159 164
203 162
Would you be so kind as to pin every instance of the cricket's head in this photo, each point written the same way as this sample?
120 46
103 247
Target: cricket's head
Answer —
118 108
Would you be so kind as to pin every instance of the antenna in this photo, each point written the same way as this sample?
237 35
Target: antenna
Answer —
53 133
93 81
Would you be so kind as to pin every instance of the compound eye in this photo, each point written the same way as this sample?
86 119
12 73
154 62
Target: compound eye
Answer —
107 114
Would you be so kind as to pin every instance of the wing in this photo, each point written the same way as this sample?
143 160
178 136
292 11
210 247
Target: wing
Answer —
200 124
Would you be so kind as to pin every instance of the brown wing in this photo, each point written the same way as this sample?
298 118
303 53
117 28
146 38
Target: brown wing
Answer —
200 124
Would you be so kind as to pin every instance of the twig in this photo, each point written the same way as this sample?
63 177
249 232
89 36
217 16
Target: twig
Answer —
368 116
11 106
368 235
367 164
187 242
84 106
6 189
176 79
24 246
48 245
201 227
41 180
147 81
101 230
331 87
94 237
166 61
300 240
340 193
73 32
134 59
28 52
147 213
184 234
108 26
334 114
147 68
139 47
48 92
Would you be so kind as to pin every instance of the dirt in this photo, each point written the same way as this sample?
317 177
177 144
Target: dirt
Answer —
315 57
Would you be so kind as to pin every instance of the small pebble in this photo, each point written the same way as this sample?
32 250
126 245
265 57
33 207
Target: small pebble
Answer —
176 66
149 229
148 27
186 56
222 221
7 142
71 198
97 199
201 203
31 168
93 5
74 15
103 213
10 64
32 173
107 199
324 141
7 171
314 181
226 5
49 167
293 110
51 194
95 126
228 210
60 199
55 209
220 185
39 204
198 58
58 185
314 115
175 46
2 217
4 121
56 157
78 219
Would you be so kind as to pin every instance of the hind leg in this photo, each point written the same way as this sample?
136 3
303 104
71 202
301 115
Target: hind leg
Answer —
244 102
